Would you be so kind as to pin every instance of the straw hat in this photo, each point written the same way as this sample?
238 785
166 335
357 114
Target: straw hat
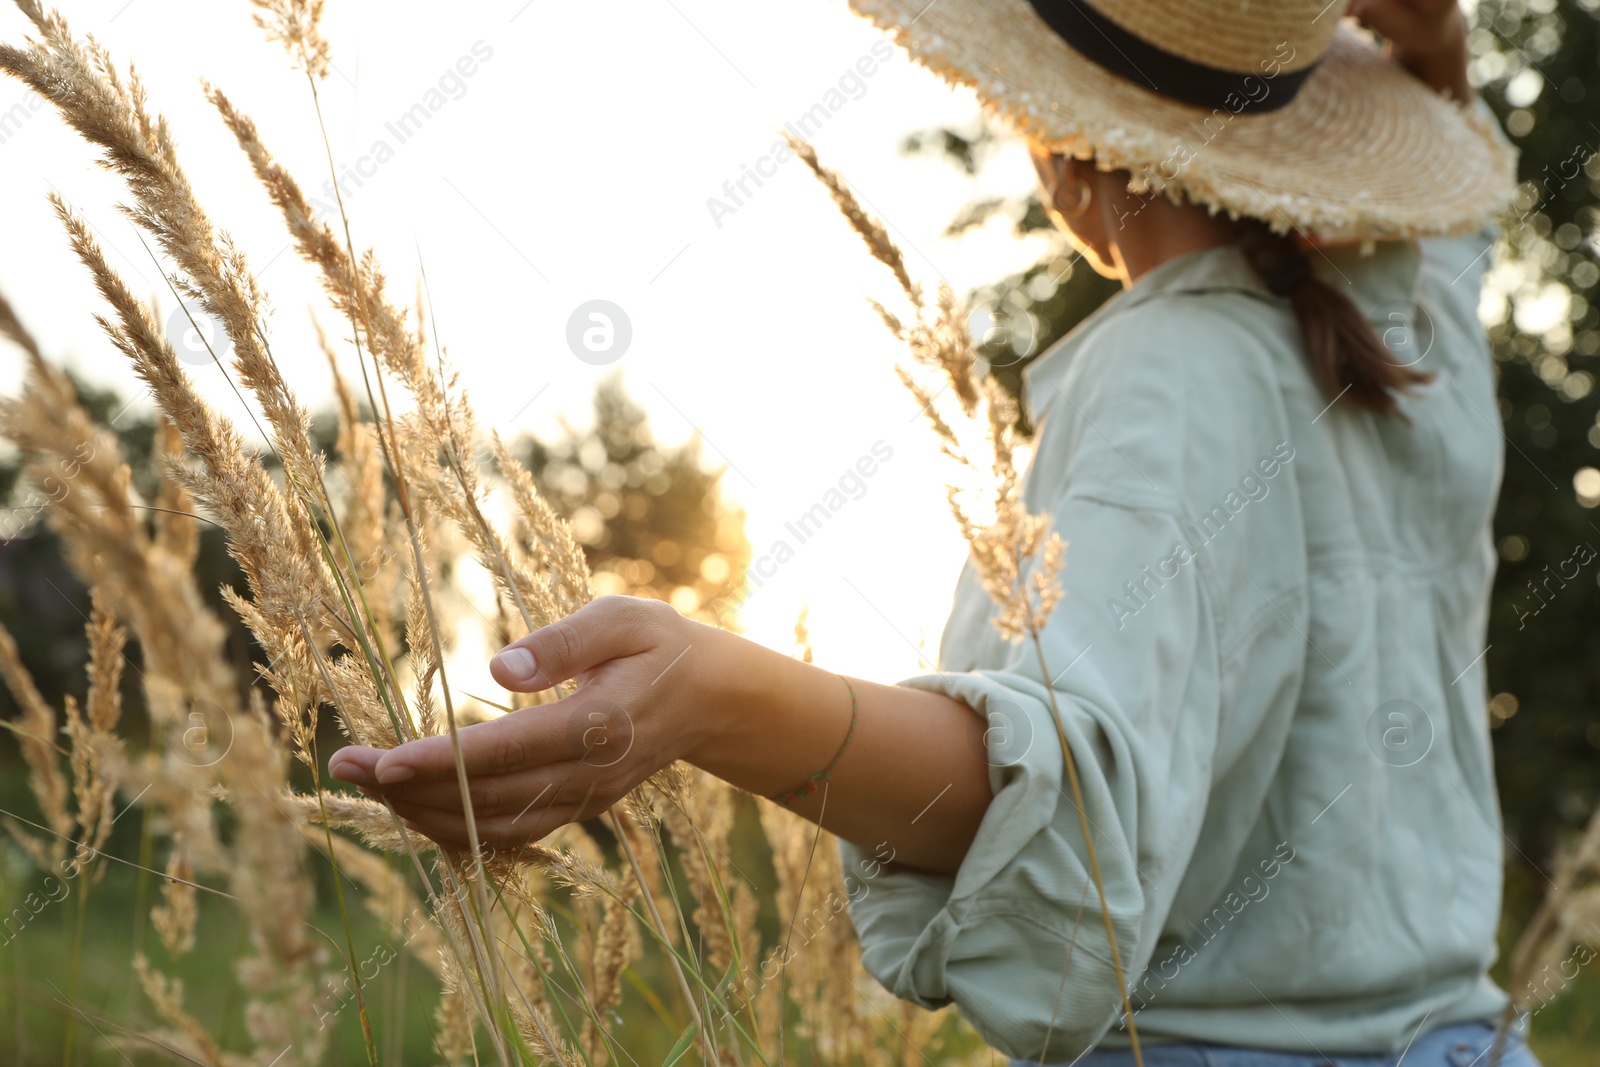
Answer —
1276 109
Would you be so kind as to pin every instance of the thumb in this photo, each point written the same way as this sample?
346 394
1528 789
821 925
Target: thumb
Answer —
608 628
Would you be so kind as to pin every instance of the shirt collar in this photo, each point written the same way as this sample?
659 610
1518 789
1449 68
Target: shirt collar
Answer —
1381 282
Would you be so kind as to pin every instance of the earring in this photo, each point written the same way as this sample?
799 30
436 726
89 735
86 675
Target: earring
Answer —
1084 192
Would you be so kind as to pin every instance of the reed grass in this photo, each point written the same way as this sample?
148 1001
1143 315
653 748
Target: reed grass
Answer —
1017 556
592 945
534 953
1566 921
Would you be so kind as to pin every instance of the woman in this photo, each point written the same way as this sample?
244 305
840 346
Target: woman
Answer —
1269 662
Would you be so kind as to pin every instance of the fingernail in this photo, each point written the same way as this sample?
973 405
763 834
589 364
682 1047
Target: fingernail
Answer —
350 771
395 772
518 663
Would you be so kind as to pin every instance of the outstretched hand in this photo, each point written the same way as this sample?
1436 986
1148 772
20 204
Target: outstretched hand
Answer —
537 768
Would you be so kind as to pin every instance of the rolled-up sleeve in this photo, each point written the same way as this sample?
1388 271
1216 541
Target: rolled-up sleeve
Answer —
1016 938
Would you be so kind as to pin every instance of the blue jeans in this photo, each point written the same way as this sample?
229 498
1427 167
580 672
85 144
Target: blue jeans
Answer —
1459 1045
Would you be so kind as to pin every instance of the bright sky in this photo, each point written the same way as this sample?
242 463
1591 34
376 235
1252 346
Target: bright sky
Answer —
574 162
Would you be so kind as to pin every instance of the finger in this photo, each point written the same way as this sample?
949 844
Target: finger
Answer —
518 740
585 726
1396 22
498 831
491 794
1369 11
608 628
354 764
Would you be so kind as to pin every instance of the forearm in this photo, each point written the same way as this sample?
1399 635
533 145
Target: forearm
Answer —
915 774
655 687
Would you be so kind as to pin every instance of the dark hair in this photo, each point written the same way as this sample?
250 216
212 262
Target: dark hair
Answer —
1348 360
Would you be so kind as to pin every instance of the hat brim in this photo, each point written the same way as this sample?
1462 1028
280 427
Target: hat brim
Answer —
1364 150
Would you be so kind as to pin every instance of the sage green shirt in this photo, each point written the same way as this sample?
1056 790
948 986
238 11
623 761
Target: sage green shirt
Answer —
1270 666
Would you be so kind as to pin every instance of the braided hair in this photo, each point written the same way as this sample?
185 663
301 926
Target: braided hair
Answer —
1348 360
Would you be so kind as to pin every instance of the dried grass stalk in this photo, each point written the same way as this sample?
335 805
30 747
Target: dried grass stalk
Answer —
338 559
1017 556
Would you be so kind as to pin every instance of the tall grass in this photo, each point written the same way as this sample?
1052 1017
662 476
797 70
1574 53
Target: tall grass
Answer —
1559 939
533 952
1017 555
640 931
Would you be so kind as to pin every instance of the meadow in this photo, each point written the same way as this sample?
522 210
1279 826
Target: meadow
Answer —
181 881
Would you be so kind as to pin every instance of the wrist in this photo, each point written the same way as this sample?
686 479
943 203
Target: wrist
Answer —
764 720
726 684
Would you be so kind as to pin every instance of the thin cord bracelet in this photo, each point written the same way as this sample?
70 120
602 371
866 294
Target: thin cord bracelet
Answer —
809 786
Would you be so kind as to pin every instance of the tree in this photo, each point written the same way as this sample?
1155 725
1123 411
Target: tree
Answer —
652 521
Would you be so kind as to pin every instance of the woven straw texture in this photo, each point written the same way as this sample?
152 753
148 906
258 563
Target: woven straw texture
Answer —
1364 151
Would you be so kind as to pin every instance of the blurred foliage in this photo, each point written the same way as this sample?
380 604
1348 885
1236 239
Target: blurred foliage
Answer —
652 521
1538 65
